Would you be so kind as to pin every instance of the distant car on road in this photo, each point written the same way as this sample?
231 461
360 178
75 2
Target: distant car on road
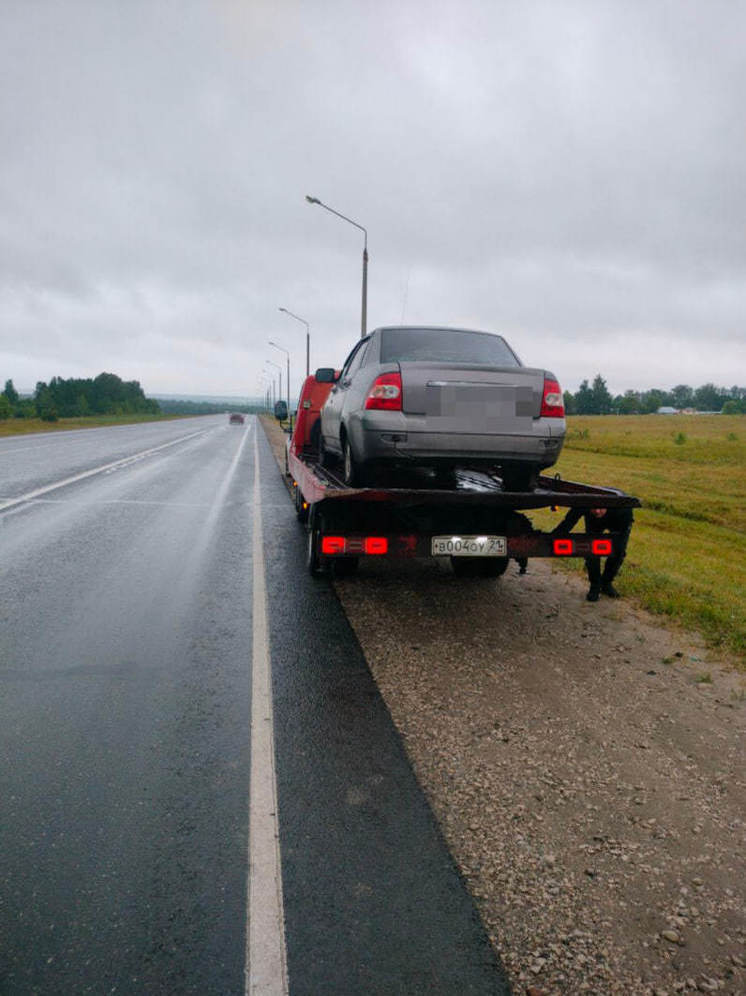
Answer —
441 398
236 418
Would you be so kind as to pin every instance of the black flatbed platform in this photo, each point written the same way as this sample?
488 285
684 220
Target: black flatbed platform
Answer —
473 487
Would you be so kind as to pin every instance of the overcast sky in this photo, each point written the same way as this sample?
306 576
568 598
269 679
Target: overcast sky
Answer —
570 174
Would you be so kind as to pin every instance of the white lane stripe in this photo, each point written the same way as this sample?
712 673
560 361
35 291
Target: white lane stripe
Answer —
30 495
266 959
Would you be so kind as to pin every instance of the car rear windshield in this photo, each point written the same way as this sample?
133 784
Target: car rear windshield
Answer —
446 346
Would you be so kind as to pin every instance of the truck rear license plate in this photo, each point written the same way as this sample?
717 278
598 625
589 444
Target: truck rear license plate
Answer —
469 546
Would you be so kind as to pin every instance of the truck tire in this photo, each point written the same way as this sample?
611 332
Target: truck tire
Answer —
479 567
345 567
313 563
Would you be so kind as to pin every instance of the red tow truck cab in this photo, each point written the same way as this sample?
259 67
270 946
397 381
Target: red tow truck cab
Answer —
313 395
478 524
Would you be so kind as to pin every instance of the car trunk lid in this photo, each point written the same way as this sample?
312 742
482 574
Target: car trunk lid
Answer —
467 398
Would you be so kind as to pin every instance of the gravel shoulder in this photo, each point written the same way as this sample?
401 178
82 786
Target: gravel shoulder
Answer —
586 765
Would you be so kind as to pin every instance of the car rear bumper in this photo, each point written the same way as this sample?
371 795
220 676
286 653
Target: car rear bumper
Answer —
389 436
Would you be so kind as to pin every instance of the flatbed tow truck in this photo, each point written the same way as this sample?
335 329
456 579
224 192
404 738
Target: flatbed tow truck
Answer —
476 523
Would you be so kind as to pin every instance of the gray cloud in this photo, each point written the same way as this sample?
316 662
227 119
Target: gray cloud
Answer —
571 174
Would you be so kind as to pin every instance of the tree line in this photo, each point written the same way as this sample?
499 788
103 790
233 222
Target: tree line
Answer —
596 399
106 394
179 406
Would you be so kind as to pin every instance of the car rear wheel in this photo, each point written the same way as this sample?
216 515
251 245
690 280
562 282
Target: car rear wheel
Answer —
479 567
520 478
354 475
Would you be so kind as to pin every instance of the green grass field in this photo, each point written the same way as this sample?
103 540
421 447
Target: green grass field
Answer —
687 553
22 426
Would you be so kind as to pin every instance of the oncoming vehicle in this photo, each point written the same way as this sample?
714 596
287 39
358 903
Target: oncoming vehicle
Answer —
441 398
236 418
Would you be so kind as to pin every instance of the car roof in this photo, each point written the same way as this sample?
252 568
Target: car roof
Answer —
430 328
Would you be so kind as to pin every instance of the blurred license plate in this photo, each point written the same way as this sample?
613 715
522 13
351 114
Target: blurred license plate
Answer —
469 546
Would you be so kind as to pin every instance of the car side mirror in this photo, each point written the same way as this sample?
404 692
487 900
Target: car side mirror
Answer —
326 375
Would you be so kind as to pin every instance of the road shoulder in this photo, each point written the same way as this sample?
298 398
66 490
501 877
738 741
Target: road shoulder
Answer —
585 764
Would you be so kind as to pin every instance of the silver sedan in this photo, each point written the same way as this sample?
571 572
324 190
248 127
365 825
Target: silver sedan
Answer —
441 399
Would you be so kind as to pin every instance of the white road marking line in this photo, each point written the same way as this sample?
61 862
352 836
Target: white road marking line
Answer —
132 501
107 467
266 958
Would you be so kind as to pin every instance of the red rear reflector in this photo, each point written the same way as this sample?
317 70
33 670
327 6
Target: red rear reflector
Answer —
602 547
563 547
552 402
333 544
385 393
376 544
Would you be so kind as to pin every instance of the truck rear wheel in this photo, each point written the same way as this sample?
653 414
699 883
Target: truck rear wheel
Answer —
313 562
313 559
344 567
479 567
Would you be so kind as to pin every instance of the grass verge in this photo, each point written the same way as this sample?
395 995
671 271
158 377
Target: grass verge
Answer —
23 426
687 553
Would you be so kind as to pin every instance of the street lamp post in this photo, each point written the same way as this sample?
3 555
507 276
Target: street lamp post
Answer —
269 388
364 316
308 337
264 382
279 392
287 354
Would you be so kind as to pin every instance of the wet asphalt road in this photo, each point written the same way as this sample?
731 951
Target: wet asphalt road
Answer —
126 620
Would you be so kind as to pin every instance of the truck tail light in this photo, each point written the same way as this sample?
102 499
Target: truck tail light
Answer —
385 393
601 547
376 544
333 544
563 547
552 402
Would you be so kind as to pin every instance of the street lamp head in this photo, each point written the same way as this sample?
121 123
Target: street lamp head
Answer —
283 309
312 200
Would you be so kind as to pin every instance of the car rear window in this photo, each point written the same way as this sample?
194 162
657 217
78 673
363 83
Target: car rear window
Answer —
446 346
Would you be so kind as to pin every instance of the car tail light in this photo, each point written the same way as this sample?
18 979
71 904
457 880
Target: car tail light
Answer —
552 402
385 393
333 544
601 547
376 544
563 547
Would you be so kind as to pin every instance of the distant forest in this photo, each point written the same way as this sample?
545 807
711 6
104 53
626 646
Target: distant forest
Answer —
106 394
595 399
